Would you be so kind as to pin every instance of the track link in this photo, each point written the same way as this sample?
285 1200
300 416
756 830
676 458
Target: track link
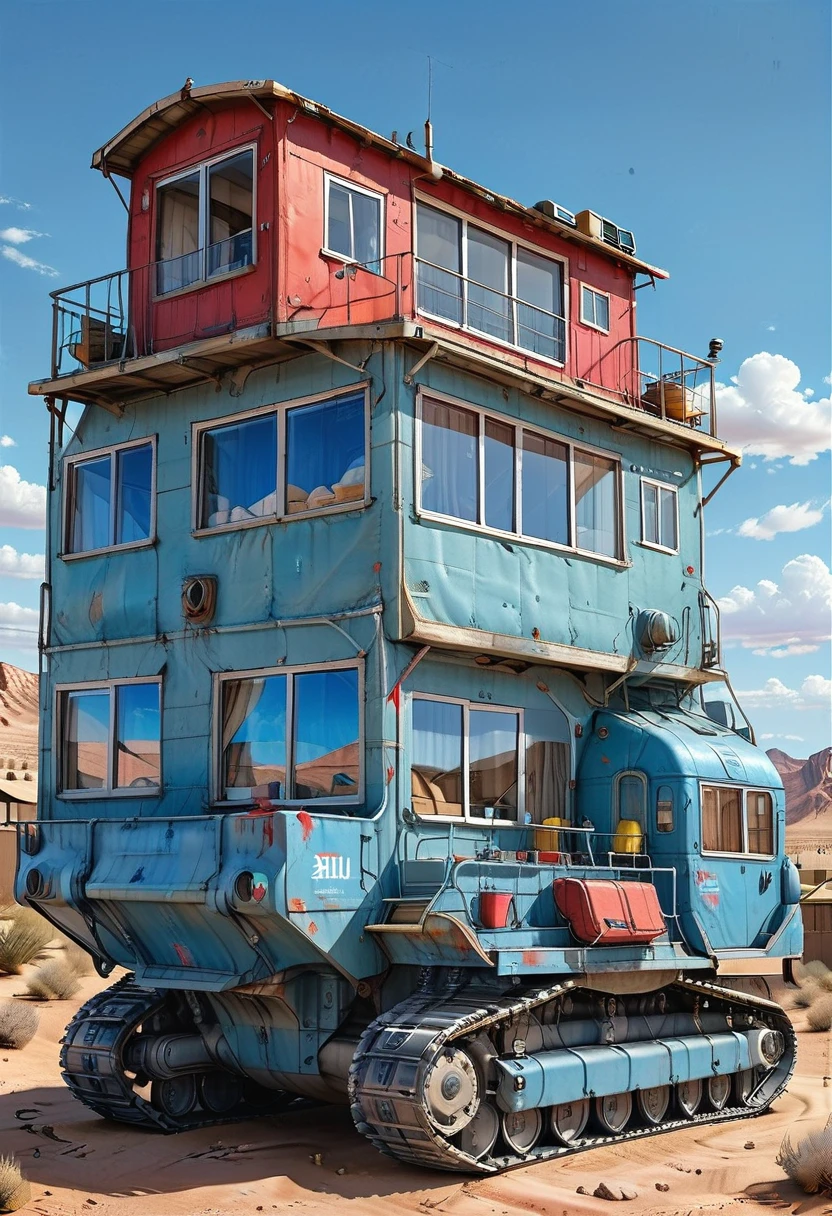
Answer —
92 1063
387 1077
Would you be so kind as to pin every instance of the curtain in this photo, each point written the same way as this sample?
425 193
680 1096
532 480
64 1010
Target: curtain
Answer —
547 780
239 699
596 504
450 460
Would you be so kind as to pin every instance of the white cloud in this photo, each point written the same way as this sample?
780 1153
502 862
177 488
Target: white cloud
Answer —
20 565
27 263
765 414
6 441
781 519
786 652
791 738
772 617
19 236
19 625
771 328
22 503
814 693
14 202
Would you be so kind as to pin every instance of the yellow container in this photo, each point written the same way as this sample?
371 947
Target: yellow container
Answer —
628 838
548 841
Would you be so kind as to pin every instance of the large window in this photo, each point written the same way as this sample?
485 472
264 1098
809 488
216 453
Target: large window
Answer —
476 279
110 738
500 475
205 222
109 499
286 461
659 515
469 761
290 736
736 820
354 223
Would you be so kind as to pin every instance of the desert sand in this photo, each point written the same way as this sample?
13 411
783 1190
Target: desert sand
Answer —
78 1163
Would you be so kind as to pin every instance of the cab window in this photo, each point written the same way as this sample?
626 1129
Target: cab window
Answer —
735 820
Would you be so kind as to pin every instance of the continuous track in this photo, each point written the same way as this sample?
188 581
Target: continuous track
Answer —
92 1064
393 1064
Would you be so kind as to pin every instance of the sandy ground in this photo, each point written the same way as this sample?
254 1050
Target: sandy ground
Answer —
78 1163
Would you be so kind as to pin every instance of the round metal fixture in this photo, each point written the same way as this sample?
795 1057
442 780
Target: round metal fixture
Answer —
653 1103
521 1129
613 1112
688 1098
479 1137
569 1119
451 1090
176 1096
199 598
243 886
719 1091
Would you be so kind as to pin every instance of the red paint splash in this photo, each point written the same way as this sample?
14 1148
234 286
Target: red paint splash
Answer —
183 954
390 773
313 928
297 905
306 824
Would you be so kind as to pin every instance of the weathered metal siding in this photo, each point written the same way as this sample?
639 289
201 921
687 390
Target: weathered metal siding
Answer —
514 587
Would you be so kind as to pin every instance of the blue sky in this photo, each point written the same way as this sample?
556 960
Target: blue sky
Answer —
704 127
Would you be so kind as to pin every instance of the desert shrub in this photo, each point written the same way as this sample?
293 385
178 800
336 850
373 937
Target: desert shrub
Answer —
54 981
809 1163
22 940
819 1015
10 1180
805 995
18 1024
78 961
813 970
825 981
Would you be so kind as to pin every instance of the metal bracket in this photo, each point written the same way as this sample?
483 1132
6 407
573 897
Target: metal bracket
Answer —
417 367
197 366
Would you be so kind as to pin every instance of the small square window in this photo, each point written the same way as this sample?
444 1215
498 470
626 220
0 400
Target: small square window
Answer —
239 472
595 308
110 499
110 738
354 224
660 524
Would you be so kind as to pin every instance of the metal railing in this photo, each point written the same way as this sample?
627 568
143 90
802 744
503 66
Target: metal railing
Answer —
464 302
659 379
90 323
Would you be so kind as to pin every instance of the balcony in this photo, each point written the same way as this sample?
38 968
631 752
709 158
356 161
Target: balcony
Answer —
115 338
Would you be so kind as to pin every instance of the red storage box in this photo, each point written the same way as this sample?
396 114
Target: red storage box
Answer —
605 913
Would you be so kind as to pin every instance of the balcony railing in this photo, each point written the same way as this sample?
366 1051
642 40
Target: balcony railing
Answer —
451 297
90 323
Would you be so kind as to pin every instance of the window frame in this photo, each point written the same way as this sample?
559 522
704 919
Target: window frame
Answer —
68 498
290 670
332 178
514 244
490 707
279 409
58 740
660 485
519 426
644 809
202 168
745 790
595 292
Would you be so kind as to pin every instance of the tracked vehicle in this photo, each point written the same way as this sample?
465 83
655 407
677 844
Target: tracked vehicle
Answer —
386 742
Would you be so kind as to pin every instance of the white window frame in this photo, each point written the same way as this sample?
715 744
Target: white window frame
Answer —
279 409
346 184
514 243
519 426
660 485
202 168
110 791
592 323
745 790
490 707
290 670
69 493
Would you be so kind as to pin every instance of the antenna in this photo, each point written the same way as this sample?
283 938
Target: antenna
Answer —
428 124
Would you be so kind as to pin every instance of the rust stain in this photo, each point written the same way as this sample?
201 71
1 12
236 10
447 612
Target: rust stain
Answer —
605 759
533 958
297 905
306 824
313 928
331 905
268 831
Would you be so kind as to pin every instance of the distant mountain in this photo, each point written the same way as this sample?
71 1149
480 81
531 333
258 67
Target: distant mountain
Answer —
808 785
18 719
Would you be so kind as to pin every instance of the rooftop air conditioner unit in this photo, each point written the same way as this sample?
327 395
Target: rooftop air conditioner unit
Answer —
554 211
605 230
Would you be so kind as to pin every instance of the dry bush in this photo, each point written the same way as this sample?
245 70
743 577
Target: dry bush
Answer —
54 981
805 995
18 1024
10 1180
78 961
819 1014
22 940
825 981
814 970
809 1164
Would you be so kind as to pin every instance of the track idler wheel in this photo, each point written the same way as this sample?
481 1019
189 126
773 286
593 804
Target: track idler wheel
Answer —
688 1098
175 1096
653 1103
613 1112
569 1120
220 1092
480 1135
451 1090
522 1130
